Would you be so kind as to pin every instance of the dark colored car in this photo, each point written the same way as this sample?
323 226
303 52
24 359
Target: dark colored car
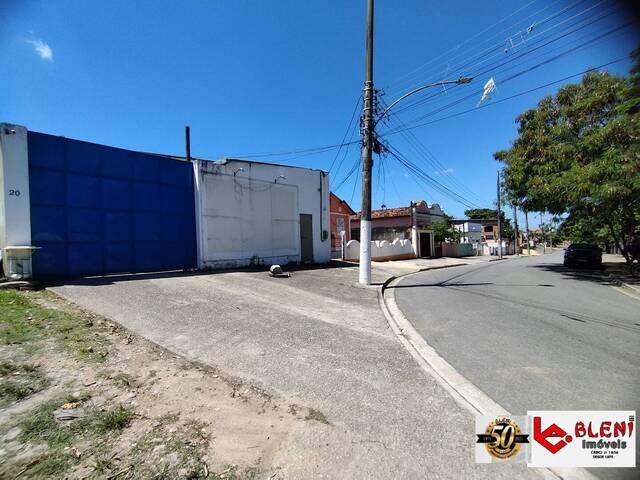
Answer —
582 254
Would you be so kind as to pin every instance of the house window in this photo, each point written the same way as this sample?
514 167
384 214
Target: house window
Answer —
488 228
340 224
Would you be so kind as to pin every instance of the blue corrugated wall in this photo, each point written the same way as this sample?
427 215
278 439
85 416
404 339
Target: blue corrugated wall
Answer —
97 210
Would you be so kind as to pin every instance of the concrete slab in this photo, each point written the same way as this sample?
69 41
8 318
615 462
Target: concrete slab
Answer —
314 339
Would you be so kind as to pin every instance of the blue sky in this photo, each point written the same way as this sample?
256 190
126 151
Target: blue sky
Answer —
284 75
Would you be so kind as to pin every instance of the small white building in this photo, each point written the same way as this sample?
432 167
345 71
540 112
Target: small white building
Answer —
469 232
253 213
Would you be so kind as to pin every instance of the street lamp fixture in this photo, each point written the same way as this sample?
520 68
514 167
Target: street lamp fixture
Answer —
459 81
368 145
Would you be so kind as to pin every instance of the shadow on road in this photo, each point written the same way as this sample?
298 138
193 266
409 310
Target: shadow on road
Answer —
544 306
600 275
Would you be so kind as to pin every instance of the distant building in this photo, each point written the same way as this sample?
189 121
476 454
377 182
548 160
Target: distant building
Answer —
413 222
470 232
488 227
340 213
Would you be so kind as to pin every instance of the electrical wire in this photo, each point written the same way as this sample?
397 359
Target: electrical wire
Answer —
483 55
487 105
516 75
494 68
432 160
428 179
348 175
457 47
353 115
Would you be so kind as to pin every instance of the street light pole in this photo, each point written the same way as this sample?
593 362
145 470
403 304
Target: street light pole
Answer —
515 220
526 222
544 238
364 272
499 218
368 138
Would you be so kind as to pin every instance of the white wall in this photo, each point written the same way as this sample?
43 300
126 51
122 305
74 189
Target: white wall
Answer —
15 213
380 249
250 218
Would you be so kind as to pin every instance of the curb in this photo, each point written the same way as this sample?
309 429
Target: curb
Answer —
623 287
465 393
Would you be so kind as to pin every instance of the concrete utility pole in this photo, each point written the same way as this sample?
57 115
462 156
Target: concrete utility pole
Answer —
368 140
517 235
499 220
526 226
544 239
367 161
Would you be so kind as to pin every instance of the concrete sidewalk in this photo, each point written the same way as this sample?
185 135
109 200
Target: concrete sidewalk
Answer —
315 339
403 267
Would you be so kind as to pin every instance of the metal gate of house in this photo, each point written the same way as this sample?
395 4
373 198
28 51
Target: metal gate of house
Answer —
98 210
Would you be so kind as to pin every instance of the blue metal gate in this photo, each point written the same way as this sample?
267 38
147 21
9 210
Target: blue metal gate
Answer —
97 210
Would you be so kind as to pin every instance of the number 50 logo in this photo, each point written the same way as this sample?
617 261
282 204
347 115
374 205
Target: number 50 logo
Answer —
502 438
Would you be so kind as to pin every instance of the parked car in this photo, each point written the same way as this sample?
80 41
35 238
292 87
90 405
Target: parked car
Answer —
582 254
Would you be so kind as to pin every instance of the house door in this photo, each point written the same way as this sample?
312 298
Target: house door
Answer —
425 244
306 238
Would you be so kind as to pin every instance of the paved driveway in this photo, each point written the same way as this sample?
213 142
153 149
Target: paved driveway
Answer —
314 339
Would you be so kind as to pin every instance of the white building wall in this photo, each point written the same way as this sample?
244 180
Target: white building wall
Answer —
249 218
15 213
471 232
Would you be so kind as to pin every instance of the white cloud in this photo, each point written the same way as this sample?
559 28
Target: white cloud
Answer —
445 171
41 49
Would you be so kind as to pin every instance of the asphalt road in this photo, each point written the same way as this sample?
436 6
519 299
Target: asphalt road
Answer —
532 334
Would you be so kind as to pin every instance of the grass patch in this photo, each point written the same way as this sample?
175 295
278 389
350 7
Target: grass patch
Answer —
125 380
316 415
18 381
172 453
39 427
231 472
115 419
23 321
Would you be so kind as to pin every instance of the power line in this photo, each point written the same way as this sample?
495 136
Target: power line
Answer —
432 160
355 109
428 179
516 75
429 157
423 152
486 105
314 150
424 65
493 68
348 175
355 183
482 55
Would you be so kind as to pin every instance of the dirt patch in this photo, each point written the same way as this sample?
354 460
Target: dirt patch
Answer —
82 398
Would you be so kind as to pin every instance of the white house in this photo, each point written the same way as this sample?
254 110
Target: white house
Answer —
253 213
470 232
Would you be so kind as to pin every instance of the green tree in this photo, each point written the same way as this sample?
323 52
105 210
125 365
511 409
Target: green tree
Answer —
481 213
489 213
578 153
445 230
